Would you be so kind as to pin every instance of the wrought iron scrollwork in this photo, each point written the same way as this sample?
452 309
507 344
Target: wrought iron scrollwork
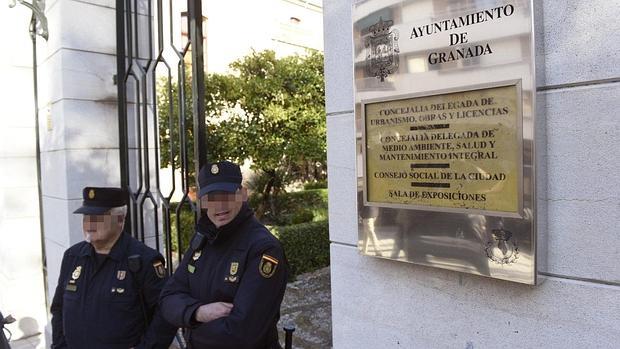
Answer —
39 20
145 46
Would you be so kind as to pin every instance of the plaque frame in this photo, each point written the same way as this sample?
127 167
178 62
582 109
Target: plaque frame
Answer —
519 142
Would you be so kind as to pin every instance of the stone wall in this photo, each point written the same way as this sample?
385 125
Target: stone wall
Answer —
386 304
78 124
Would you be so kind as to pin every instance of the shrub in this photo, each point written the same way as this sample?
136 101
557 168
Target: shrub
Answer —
314 197
302 216
306 246
187 226
288 207
322 184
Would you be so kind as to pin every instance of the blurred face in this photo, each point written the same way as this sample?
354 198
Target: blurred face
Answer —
102 229
222 207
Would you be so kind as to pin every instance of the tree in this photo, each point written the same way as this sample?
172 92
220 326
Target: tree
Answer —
168 108
283 118
270 111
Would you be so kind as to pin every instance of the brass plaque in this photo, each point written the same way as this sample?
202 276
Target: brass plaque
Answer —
457 150
450 145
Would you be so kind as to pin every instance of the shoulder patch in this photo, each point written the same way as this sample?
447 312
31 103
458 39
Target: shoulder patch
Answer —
160 270
267 266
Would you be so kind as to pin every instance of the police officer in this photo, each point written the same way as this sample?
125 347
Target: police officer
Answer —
109 284
227 290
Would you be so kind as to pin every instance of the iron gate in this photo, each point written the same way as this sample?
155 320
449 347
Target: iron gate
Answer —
157 60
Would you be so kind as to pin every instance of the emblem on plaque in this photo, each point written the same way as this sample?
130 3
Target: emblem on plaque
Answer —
502 250
382 49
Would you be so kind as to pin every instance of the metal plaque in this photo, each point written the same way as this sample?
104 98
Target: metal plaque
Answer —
445 101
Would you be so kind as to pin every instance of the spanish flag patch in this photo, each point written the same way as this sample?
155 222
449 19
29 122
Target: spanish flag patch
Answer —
160 270
267 266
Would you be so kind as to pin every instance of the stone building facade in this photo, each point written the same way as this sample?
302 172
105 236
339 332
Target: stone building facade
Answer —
386 304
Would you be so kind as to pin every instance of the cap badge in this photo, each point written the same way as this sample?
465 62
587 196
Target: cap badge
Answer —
91 194
215 169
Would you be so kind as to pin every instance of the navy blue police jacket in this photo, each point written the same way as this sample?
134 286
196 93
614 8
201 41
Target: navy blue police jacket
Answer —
240 263
105 304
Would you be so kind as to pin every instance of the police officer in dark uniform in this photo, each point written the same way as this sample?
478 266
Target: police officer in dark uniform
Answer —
227 290
109 284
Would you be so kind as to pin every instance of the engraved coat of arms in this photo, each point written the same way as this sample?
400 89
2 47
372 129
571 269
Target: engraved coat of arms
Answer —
382 49
503 250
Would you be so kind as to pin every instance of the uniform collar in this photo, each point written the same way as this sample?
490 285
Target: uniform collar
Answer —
117 252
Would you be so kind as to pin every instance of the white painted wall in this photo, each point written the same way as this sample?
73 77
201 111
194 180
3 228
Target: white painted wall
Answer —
386 304
21 268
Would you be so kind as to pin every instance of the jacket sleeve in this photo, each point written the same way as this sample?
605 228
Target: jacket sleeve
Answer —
176 303
256 305
159 333
58 335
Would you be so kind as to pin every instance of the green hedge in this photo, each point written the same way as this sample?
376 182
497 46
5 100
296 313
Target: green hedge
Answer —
187 225
306 245
295 207
301 226
322 184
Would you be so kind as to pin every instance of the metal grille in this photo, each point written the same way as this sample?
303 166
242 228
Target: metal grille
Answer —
160 43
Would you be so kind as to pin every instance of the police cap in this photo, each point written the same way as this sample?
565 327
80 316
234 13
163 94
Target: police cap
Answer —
219 176
101 200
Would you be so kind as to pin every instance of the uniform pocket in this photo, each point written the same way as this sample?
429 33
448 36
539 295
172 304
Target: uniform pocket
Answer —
122 317
70 296
71 309
230 276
